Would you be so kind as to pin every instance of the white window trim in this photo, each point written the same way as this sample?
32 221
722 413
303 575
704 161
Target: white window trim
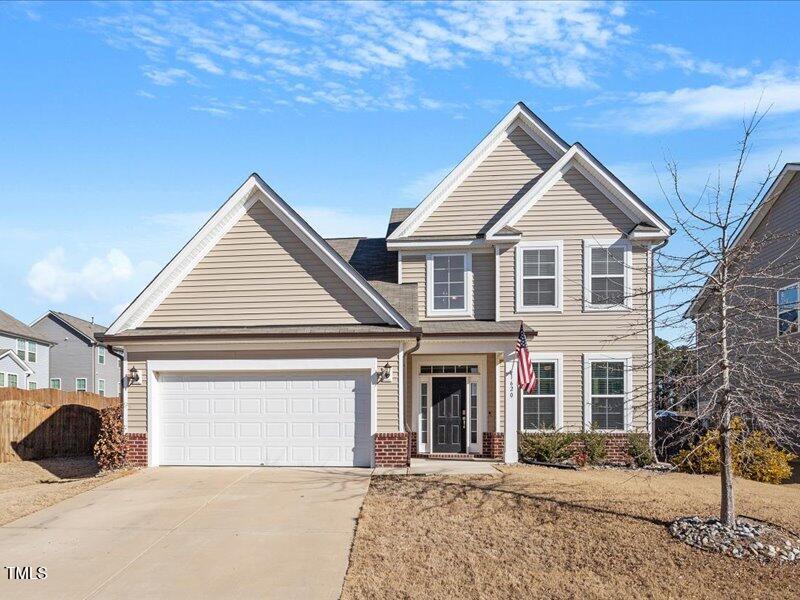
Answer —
467 310
52 379
590 243
101 352
558 359
34 385
588 359
30 345
99 381
3 382
778 309
558 246
85 386
16 377
24 349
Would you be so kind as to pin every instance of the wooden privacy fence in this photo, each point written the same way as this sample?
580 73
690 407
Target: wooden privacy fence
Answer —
47 423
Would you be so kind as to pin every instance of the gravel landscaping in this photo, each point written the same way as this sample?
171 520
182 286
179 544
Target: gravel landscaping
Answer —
28 486
535 532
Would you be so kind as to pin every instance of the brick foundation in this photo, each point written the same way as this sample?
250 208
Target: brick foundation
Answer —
136 449
412 444
391 449
616 448
493 444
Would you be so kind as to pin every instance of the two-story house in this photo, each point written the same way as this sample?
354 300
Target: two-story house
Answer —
78 362
263 343
24 355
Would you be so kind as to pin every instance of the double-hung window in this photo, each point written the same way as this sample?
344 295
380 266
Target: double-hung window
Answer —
80 384
31 385
101 355
2 380
32 352
449 280
101 387
789 309
538 268
12 380
21 349
541 408
607 272
55 383
608 381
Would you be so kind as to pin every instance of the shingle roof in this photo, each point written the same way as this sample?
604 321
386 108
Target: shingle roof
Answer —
86 328
397 216
467 328
402 296
274 331
368 256
17 328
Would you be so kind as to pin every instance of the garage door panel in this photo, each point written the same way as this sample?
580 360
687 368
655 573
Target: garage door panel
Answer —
252 419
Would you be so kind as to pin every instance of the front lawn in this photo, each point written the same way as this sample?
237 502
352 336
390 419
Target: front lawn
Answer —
546 533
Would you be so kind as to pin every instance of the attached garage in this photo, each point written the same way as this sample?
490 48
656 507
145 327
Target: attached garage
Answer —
272 417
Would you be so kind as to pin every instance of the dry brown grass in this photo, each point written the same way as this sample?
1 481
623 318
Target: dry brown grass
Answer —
546 533
28 486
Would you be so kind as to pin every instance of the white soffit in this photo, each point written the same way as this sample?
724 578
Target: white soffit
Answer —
251 191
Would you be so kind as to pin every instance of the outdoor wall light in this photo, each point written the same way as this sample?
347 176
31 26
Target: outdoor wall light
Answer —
385 373
133 376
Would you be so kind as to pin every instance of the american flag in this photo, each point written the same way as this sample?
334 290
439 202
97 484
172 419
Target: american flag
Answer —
526 378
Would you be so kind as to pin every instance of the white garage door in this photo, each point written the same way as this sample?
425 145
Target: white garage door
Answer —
265 419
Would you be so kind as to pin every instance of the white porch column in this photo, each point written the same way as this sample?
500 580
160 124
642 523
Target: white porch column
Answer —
511 408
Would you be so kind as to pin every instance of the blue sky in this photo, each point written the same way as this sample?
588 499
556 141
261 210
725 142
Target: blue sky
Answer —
124 126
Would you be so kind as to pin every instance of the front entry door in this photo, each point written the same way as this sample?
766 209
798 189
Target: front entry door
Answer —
449 414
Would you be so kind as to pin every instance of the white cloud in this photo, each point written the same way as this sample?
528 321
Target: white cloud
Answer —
560 44
56 278
692 108
683 59
144 94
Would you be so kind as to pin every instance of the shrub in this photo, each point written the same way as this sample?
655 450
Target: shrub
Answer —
109 451
756 456
546 447
594 445
639 449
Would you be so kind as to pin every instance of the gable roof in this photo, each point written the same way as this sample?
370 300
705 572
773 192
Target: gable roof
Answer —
368 256
579 158
397 216
85 329
748 228
16 328
13 355
519 116
253 190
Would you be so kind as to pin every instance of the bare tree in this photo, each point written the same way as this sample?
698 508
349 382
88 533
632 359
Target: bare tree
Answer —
716 293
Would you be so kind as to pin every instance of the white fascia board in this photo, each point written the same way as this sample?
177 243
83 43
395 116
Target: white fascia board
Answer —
519 116
22 364
438 244
219 224
577 158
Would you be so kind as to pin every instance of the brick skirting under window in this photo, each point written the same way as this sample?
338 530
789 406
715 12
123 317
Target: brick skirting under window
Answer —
136 449
391 449
493 444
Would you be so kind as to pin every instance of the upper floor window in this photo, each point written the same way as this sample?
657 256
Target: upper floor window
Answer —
607 272
448 283
21 349
789 309
101 355
32 352
538 269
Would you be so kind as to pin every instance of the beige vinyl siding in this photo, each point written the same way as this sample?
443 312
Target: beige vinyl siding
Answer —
387 391
500 180
137 399
260 273
414 268
572 210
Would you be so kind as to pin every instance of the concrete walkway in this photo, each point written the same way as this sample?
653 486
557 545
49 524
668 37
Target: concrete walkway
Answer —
192 533
426 466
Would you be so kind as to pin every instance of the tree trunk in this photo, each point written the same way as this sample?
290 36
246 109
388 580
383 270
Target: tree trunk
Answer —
727 508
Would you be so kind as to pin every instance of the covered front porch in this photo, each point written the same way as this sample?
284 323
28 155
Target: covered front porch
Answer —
459 396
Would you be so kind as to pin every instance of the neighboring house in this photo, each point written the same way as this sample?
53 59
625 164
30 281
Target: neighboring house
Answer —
78 362
263 343
772 234
24 355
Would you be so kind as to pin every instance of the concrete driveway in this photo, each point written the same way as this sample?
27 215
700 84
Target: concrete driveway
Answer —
192 532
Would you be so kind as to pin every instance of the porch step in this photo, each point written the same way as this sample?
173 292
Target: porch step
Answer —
455 456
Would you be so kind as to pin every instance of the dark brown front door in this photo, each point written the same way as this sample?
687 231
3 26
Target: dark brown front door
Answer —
449 414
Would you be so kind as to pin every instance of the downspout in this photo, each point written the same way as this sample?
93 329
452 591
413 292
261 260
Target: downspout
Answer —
406 426
121 358
651 417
